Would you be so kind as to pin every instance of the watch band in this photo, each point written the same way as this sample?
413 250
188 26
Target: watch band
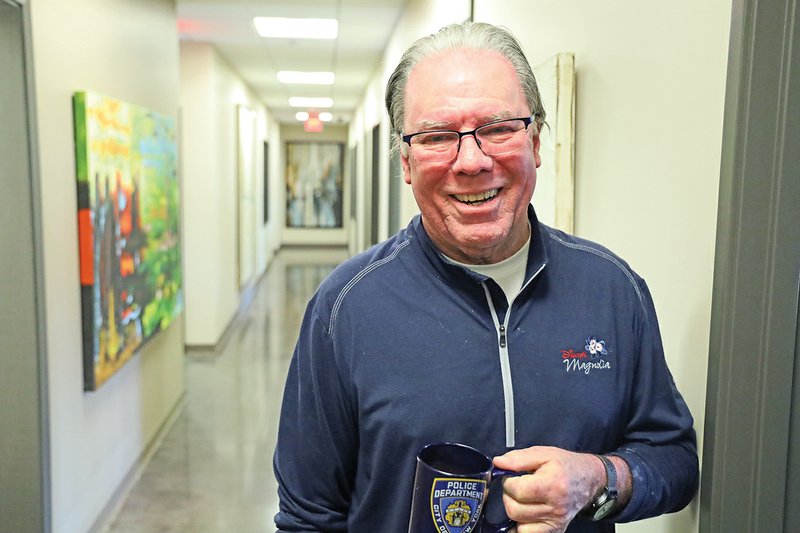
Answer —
602 506
611 476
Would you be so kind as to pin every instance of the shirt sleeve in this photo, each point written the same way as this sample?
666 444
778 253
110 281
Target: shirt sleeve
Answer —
316 451
660 444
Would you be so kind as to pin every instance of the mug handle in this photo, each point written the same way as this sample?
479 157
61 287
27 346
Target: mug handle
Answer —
506 526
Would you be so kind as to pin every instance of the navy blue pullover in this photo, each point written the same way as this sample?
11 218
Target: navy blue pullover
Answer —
399 349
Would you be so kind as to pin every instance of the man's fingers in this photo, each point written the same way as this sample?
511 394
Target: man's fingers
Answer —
526 512
539 528
527 489
548 483
529 459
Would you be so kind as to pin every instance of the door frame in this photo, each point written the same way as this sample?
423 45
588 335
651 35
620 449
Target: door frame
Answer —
749 463
25 486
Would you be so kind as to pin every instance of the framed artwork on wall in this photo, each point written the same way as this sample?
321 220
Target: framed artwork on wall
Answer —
353 166
554 198
266 182
128 226
395 190
246 192
314 184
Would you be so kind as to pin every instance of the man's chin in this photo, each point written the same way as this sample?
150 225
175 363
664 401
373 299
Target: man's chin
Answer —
486 235
480 246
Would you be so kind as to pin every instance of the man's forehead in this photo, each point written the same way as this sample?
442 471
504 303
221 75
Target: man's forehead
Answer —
483 69
428 124
462 88
460 60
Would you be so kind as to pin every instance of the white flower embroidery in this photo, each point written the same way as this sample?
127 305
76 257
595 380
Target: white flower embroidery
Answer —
596 347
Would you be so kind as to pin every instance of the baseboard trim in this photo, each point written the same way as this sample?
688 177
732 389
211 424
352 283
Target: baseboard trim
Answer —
113 506
248 293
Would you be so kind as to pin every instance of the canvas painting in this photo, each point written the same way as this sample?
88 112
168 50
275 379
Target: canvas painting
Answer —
266 182
554 198
246 192
314 184
128 225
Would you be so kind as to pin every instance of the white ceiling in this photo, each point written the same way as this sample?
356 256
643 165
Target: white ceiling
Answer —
364 30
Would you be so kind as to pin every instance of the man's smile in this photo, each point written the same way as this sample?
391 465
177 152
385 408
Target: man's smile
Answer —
476 199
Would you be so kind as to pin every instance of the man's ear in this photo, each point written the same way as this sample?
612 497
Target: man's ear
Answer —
406 168
536 144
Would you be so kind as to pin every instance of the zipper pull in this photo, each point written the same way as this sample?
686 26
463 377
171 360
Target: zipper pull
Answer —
502 336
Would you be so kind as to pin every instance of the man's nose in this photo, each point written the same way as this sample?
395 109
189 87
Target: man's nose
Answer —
470 158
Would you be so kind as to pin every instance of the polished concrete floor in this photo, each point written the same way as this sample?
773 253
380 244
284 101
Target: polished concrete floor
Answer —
213 470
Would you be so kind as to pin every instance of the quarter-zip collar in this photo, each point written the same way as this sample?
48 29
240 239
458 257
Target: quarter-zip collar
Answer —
537 255
494 295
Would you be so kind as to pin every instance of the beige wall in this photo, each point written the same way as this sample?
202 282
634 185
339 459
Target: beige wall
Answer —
420 17
650 90
209 95
128 50
651 81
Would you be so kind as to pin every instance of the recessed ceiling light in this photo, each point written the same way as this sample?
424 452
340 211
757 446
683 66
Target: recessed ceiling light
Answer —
325 116
309 78
300 101
302 116
291 28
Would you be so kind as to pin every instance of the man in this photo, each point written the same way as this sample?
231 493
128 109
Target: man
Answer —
477 324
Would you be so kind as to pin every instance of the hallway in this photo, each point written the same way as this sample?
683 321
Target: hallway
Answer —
213 470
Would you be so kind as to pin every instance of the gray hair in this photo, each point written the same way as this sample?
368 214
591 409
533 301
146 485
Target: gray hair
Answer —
473 35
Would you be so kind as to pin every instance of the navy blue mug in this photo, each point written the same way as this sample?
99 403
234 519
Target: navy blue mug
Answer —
451 486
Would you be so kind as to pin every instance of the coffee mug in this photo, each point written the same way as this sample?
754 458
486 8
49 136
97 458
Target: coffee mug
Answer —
451 486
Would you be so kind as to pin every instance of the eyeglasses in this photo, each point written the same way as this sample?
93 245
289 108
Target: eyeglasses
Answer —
495 138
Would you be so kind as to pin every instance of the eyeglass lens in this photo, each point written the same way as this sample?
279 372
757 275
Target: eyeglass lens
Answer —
496 138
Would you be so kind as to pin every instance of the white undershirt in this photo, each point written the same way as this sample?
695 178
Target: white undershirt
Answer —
508 273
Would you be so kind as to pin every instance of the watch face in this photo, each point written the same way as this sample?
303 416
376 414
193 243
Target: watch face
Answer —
604 509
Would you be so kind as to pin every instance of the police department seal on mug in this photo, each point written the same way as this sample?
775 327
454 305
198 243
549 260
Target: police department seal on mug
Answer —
456 504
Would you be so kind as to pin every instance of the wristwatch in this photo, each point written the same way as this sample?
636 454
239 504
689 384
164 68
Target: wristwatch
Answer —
602 505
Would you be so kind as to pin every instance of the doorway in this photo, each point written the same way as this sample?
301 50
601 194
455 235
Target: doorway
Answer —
24 462
375 189
751 455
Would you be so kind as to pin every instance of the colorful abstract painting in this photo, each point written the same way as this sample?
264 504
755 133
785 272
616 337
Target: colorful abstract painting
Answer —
128 225
314 184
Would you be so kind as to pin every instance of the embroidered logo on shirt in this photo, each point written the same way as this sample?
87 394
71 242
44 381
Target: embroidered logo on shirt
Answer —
456 504
588 360
595 347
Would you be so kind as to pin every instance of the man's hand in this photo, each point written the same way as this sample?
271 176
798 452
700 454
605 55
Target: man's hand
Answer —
559 485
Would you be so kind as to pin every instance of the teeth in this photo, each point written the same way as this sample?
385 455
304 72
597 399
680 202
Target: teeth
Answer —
471 198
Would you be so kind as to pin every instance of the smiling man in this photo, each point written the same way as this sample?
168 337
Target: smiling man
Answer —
474 206
478 324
